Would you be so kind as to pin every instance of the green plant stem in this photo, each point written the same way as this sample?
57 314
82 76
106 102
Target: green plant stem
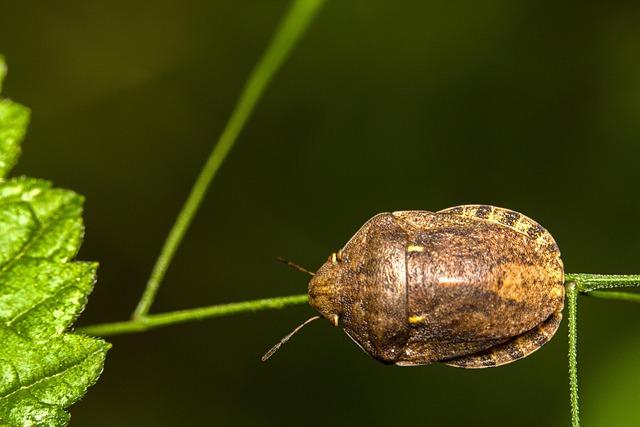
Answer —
572 308
620 296
591 282
174 317
290 29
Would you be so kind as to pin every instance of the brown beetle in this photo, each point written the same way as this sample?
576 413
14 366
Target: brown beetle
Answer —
471 286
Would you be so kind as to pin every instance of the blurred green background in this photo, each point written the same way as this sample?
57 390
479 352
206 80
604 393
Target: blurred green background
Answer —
383 106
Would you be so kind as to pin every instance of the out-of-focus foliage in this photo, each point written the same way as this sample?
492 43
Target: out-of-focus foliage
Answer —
614 393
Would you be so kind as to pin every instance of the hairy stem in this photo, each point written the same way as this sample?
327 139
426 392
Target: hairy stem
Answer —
572 308
181 316
290 29
590 282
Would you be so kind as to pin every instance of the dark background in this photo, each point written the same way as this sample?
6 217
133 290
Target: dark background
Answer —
383 106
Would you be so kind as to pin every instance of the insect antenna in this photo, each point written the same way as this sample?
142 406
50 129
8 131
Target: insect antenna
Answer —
275 348
294 265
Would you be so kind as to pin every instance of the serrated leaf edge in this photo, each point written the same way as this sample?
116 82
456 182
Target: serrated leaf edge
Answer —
103 350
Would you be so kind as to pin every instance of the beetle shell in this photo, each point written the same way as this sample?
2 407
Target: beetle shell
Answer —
471 286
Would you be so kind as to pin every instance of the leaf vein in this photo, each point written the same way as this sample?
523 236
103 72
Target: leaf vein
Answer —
35 383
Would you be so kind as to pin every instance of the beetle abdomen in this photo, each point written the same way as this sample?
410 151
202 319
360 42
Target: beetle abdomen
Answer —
514 349
473 284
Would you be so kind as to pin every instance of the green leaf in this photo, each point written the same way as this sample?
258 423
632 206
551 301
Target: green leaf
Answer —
43 369
13 124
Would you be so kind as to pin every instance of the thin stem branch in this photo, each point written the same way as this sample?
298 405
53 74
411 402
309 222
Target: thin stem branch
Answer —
166 319
290 29
181 316
590 282
620 296
572 308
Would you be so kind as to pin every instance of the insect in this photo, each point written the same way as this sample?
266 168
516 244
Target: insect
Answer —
471 286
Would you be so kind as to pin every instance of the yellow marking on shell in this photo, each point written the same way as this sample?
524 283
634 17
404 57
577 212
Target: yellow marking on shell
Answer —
415 248
451 280
557 291
416 319
543 239
334 258
519 345
335 319
542 331
522 225
493 215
